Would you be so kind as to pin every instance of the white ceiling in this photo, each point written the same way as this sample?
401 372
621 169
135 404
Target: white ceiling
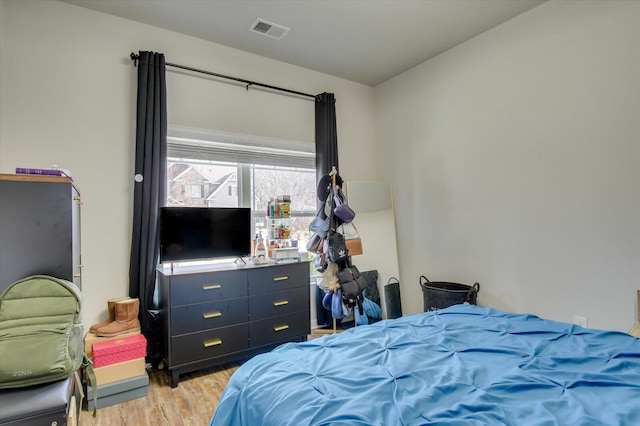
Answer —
366 41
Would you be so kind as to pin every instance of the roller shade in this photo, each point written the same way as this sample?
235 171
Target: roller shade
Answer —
238 152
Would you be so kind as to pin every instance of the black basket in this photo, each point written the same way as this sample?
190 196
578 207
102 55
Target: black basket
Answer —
440 295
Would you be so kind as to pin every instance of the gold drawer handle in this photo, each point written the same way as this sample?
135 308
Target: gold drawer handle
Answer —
212 315
281 303
280 328
76 275
280 278
211 286
214 342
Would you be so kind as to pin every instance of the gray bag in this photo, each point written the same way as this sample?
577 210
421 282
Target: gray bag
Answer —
320 225
314 245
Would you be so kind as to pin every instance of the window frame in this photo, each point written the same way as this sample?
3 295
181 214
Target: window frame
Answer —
205 145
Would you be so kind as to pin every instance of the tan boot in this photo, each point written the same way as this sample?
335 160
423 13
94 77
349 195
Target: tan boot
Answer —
111 308
126 321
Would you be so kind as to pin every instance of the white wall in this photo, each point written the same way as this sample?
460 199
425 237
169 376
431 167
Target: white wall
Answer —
514 157
516 163
68 97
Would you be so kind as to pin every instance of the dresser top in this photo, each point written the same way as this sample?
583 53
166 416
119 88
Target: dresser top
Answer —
180 269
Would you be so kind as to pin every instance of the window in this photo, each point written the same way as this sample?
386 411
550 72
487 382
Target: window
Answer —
225 170
193 191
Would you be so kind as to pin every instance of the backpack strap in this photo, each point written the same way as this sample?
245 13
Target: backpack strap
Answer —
78 386
88 367
359 300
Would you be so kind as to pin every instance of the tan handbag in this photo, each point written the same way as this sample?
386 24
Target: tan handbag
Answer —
351 238
354 246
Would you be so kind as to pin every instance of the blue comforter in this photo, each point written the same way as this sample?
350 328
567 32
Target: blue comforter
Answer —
461 365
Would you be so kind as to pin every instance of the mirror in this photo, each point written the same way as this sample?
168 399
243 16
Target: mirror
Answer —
372 201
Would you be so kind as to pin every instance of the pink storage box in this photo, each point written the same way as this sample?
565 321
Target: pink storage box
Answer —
118 350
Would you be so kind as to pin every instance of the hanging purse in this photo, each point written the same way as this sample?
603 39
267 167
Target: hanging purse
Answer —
337 247
354 246
342 210
321 261
351 238
320 224
335 241
314 244
336 305
329 280
351 282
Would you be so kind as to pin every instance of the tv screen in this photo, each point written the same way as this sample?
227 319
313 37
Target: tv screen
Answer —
196 233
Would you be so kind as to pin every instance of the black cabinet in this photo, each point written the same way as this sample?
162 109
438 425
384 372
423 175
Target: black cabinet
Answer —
212 316
39 228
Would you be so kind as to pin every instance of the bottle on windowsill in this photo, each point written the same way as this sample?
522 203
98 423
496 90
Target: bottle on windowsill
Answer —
272 212
261 252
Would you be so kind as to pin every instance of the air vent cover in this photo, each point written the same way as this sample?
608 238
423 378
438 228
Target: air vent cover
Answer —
269 29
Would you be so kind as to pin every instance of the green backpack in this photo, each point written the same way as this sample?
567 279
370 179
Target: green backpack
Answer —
41 334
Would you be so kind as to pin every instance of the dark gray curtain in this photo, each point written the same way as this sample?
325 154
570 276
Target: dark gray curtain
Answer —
326 157
326 135
149 194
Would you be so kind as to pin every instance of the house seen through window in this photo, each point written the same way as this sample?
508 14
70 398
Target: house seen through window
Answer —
212 173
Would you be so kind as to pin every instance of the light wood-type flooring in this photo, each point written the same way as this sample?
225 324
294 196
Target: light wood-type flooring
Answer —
192 403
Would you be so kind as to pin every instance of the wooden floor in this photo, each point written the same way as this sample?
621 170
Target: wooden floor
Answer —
191 404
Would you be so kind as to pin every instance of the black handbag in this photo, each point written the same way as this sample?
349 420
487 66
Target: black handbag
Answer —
352 284
351 281
337 247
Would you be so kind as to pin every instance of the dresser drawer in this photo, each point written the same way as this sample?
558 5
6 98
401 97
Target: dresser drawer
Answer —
278 303
274 329
202 287
203 316
208 344
278 277
215 314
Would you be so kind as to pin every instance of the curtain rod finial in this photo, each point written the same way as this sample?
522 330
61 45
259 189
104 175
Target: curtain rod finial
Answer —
134 58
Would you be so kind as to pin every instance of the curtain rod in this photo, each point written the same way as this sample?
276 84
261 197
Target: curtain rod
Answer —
134 57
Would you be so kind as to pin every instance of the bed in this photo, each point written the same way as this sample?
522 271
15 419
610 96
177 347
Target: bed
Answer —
461 365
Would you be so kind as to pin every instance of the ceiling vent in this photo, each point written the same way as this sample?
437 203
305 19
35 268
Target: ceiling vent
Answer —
269 29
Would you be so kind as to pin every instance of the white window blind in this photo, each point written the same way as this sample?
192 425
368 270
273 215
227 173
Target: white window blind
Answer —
235 148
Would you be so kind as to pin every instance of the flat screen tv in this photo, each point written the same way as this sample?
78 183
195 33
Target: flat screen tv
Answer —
198 233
